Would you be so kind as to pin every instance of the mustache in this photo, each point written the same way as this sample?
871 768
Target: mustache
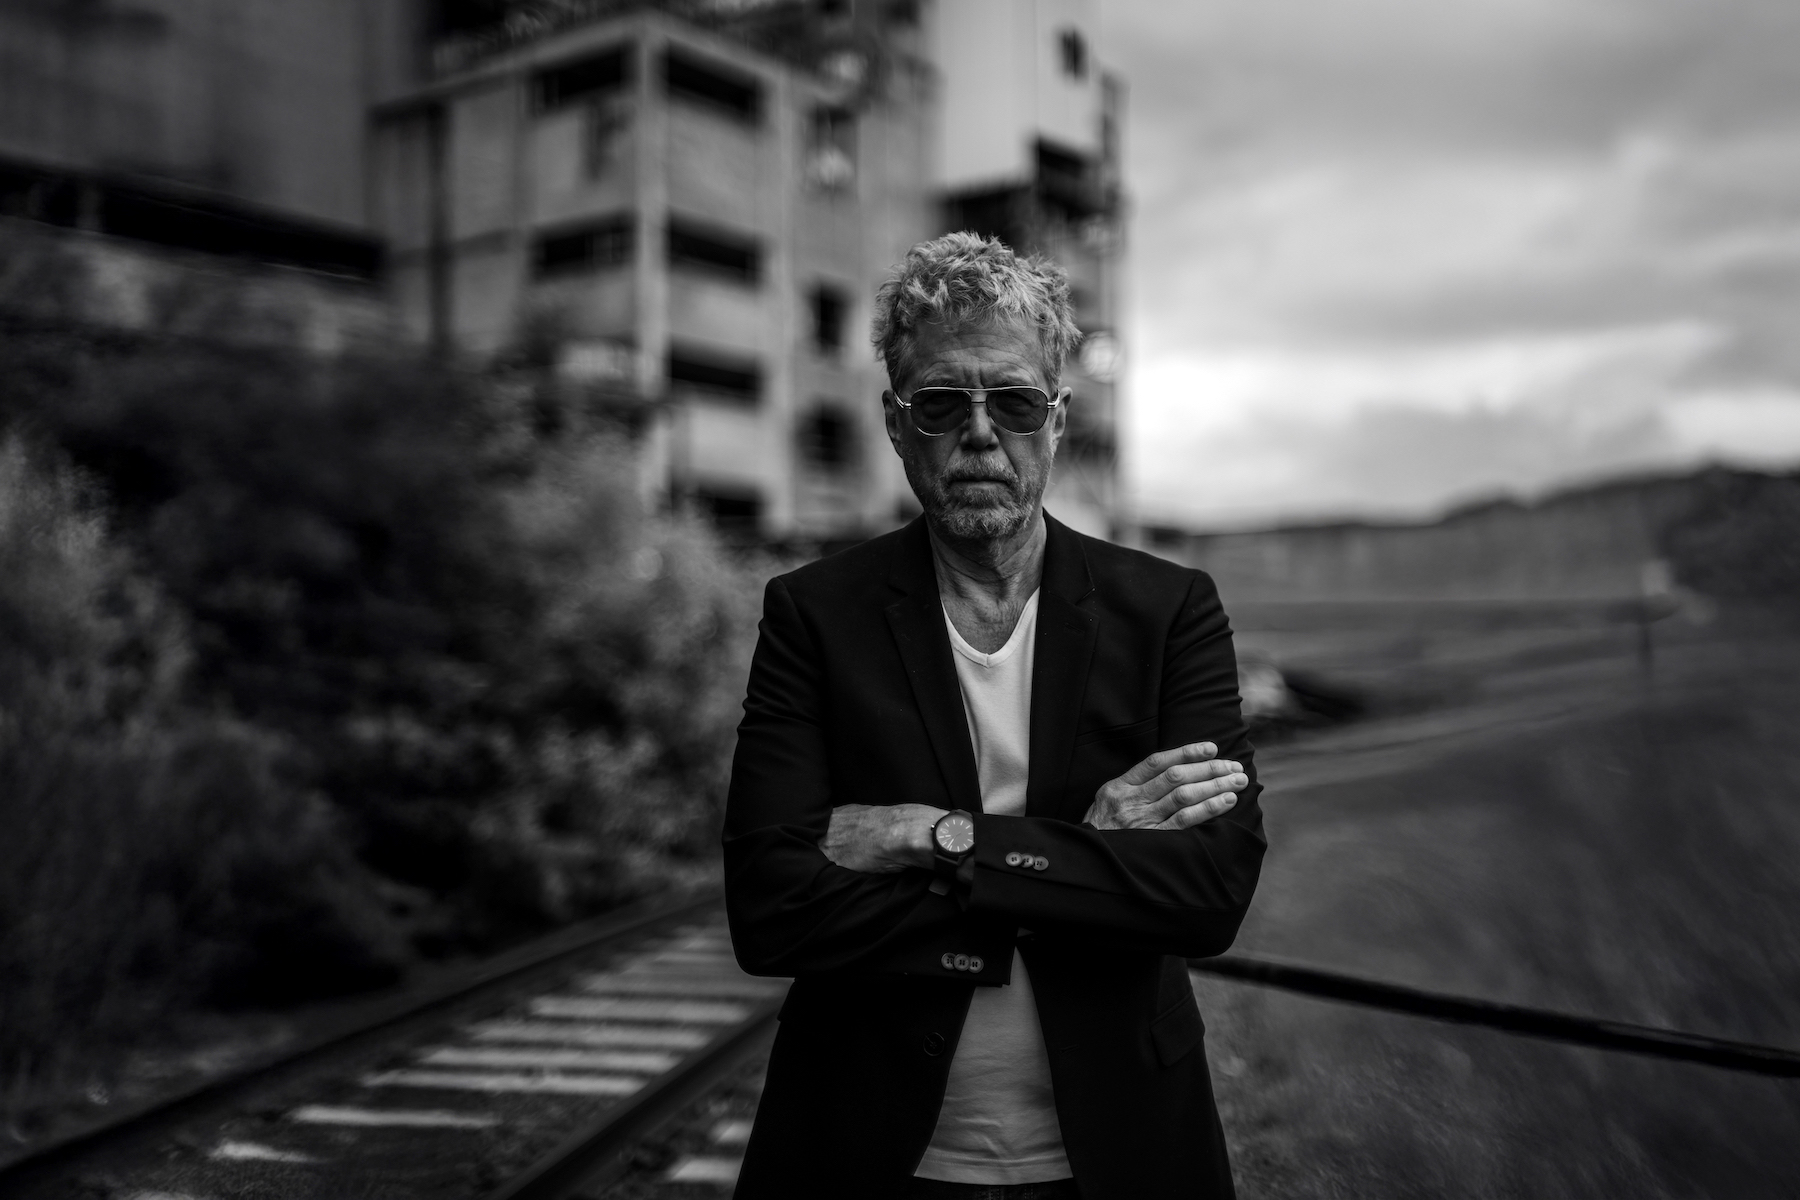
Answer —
980 475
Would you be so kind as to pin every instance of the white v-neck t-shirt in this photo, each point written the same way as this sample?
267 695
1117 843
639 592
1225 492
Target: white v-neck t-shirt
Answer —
998 1123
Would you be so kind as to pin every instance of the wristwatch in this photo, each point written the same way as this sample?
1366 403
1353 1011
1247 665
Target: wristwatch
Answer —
952 841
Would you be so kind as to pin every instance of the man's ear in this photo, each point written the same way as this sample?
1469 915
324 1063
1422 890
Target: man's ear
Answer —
890 417
1059 416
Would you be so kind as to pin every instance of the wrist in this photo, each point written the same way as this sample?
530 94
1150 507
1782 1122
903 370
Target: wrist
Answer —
909 842
921 845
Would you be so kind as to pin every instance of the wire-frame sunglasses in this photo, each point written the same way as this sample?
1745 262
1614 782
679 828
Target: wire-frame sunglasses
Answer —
1018 409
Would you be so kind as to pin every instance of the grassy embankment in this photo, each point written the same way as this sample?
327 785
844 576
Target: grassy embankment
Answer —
1566 833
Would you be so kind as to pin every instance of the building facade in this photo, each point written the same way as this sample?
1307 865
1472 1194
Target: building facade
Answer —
691 204
1028 148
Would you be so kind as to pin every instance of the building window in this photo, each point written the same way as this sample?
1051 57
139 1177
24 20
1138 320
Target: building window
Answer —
1056 160
716 376
582 79
602 142
465 16
826 439
714 251
830 148
734 512
695 79
1068 182
830 312
1074 53
1003 214
588 247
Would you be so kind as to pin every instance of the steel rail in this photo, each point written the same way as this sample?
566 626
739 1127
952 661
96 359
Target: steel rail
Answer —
1594 1032
593 1157
366 1029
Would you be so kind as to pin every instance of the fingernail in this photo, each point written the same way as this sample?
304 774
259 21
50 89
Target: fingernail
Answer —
1240 780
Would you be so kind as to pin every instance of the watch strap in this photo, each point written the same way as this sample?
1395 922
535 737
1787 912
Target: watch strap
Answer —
952 874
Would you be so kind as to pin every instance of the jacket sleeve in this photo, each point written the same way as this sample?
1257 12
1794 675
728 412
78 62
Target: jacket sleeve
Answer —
1169 892
792 911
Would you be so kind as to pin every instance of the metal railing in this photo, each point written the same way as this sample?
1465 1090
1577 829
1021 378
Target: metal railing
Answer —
1594 1032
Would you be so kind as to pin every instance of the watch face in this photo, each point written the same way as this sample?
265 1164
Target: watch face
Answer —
956 833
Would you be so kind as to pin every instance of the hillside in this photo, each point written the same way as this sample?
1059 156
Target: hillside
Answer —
1719 531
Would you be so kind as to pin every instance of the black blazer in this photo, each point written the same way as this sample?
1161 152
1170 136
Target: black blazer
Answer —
853 698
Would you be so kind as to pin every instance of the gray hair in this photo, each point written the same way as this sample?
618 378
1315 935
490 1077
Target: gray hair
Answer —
964 278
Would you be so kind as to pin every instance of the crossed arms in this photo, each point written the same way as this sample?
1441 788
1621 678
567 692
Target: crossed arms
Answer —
1165 860
1172 789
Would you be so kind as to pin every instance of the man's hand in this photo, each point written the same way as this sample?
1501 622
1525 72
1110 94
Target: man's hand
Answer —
1172 789
880 838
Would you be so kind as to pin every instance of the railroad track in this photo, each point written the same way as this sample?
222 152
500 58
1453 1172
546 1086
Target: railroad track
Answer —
524 1083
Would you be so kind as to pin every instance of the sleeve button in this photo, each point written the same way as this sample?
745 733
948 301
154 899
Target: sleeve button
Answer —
1014 858
975 963
949 961
934 1043
1040 862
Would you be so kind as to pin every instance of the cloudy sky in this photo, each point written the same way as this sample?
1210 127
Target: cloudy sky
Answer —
1390 255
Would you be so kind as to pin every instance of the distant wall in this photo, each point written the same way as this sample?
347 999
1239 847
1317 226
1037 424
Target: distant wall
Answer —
61 279
263 101
1589 544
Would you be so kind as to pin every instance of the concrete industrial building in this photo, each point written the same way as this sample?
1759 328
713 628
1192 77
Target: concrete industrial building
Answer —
693 201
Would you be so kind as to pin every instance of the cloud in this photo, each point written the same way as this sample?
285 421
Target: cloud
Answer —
1234 74
1568 225
1254 436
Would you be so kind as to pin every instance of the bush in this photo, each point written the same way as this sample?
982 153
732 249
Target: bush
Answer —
313 665
629 696
155 853
436 588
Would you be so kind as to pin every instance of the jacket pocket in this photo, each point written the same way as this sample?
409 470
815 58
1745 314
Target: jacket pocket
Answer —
1177 1031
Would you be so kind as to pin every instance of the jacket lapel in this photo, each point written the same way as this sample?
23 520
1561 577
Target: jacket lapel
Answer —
918 624
1066 634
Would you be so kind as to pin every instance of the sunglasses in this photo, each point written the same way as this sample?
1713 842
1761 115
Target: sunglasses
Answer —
940 410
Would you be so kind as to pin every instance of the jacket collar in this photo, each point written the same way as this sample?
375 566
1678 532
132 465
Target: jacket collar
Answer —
1062 655
1066 633
912 570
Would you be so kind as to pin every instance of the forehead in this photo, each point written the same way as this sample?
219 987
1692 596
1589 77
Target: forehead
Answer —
996 350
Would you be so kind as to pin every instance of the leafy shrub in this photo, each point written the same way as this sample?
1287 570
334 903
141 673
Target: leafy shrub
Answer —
632 686
310 665
435 588
155 853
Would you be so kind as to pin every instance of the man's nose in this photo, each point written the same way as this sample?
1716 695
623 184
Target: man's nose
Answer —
978 432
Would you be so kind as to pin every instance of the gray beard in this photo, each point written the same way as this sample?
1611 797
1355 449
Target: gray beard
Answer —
984 521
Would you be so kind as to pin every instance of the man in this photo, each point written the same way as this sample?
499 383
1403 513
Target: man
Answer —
991 787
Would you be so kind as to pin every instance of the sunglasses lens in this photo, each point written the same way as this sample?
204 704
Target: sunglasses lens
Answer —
939 410
1018 409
